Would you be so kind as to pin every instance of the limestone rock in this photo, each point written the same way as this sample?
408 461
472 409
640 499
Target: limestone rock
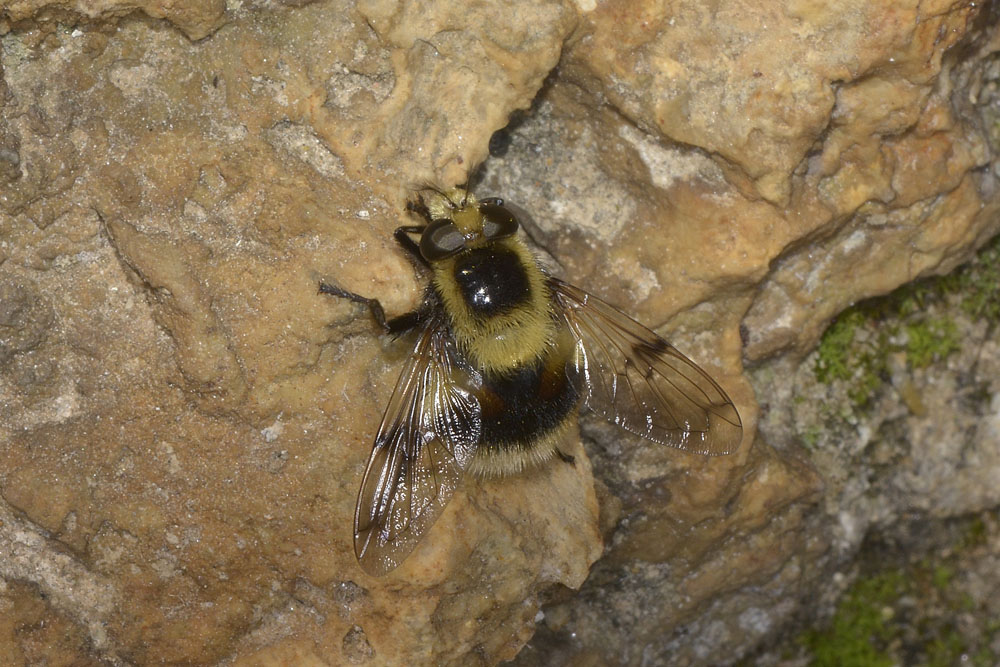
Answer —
184 420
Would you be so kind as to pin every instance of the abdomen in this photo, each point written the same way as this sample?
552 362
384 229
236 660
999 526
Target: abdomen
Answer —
527 411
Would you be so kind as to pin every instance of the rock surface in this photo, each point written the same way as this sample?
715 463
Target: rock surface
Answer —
184 420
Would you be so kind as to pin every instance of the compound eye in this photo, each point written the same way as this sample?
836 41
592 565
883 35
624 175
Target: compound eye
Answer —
441 239
498 221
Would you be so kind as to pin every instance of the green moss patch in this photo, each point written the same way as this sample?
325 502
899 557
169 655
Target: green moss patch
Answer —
931 611
918 321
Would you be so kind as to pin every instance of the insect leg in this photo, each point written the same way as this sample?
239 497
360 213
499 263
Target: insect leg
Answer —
396 325
564 457
420 208
401 236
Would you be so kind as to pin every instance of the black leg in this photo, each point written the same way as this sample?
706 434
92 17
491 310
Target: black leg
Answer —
564 457
396 325
420 208
401 236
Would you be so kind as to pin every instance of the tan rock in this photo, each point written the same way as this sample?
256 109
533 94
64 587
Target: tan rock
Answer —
184 420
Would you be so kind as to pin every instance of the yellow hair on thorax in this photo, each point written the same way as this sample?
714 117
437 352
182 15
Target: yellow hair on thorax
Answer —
444 205
503 342
469 220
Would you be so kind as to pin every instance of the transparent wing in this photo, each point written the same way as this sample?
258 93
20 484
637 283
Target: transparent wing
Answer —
642 383
427 438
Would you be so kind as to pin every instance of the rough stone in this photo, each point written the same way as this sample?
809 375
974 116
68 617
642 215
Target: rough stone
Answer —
184 420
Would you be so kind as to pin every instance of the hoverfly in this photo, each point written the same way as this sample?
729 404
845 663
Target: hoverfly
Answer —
505 354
